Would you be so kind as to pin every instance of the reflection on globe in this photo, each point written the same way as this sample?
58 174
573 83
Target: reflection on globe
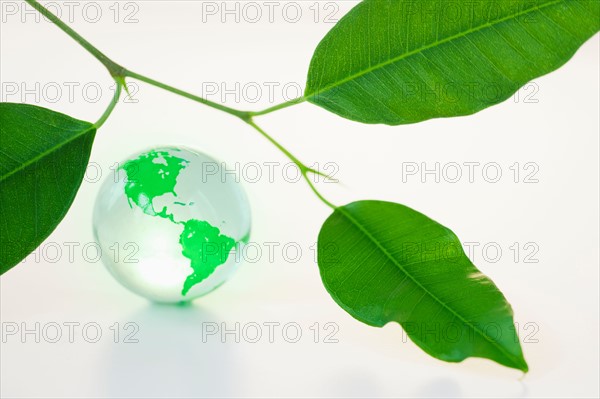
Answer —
170 224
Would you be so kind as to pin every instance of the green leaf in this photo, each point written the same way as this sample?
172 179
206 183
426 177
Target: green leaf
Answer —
385 262
406 61
43 157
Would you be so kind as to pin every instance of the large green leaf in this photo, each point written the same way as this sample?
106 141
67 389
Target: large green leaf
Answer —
43 157
385 262
405 61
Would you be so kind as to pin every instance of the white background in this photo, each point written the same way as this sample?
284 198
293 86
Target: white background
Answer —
558 295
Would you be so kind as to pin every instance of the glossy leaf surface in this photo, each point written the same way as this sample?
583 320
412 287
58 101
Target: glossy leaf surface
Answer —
406 61
384 262
43 158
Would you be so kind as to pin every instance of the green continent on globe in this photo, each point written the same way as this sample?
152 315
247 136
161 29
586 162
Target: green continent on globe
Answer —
155 173
203 244
149 176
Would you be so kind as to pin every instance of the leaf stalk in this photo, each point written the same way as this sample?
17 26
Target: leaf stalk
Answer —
305 170
111 106
278 106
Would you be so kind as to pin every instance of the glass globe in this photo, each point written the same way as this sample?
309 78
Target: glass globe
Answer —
170 223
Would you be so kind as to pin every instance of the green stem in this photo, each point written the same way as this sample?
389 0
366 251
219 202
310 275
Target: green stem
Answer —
279 106
110 107
118 71
119 74
281 148
240 114
318 194
114 68
305 170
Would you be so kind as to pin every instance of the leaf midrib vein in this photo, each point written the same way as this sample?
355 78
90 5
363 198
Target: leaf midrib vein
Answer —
438 300
430 46
47 152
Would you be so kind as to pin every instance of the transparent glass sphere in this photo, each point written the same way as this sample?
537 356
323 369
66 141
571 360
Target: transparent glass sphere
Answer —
170 223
